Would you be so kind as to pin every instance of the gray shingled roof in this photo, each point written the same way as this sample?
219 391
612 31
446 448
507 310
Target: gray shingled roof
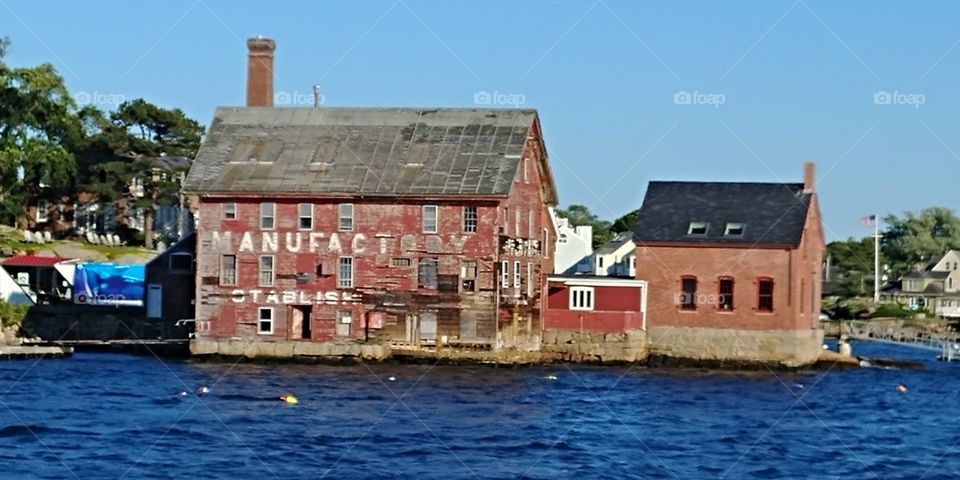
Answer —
615 243
367 151
938 275
773 213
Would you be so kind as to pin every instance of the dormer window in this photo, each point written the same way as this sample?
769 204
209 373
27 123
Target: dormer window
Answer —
697 228
734 229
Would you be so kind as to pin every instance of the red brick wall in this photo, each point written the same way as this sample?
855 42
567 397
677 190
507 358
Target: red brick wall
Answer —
663 267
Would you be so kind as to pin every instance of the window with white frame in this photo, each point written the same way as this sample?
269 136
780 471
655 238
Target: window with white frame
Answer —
516 222
43 210
305 216
504 274
470 219
526 173
266 270
346 217
265 320
268 212
230 211
516 274
530 229
345 273
430 219
581 298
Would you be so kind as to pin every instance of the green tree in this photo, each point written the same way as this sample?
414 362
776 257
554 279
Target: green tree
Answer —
131 147
581 215
851 263
919 238
38 130
626 222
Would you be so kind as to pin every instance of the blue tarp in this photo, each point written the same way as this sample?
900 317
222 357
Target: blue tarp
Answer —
109 284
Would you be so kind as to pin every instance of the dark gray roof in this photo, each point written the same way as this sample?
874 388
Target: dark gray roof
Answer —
932 289
927 274
773 213
614 244
367 151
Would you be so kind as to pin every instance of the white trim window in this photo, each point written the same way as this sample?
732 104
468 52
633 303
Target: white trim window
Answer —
345 273
268 212
504 274
581 298
43 210
516 274
346 217
230 211
470 219
431 218
305 216
266 270
531 232
265 321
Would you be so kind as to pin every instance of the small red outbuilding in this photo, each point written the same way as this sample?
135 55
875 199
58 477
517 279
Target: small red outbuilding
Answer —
604 304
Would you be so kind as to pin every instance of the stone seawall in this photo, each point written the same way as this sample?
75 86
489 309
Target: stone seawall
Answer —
679 346
595 347
557 346
709 346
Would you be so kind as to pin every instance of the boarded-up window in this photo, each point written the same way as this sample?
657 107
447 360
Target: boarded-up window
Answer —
427 273
468 276
228 270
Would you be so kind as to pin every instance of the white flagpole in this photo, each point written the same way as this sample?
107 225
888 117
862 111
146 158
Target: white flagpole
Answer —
876 259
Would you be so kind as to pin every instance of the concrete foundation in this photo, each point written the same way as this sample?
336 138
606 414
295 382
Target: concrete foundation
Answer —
786 348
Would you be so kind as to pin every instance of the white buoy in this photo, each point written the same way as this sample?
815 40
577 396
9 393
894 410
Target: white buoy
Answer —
392 378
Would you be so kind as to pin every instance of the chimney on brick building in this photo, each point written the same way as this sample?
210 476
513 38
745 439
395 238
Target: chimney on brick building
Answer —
260 72
809 177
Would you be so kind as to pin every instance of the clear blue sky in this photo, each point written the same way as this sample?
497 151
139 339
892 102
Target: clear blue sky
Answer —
798 81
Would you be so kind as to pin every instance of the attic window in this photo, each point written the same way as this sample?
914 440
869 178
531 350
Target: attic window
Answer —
697 228
734 229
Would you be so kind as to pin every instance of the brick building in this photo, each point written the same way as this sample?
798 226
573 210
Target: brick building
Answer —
733 269
415 226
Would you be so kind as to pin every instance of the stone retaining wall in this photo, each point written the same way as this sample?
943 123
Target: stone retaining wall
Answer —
599 347
786 348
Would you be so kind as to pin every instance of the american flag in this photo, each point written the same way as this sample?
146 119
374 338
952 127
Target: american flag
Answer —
868 221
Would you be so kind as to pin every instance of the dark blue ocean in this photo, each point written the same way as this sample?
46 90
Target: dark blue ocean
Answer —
119 416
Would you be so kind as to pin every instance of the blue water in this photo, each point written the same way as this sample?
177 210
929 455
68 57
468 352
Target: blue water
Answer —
119 416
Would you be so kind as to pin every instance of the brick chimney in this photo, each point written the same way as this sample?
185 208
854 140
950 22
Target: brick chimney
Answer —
260 72
809 177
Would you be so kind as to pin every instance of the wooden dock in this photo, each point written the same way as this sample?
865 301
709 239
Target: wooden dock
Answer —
20 352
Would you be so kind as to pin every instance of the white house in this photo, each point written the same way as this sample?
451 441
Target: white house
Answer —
616 257
936 288
573 246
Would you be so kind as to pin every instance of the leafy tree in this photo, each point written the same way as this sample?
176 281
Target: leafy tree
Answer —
133 146
626 222
851 264
38 128
581 215
919 238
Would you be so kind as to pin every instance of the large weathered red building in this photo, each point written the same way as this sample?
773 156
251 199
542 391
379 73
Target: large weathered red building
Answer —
733 270
416 226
